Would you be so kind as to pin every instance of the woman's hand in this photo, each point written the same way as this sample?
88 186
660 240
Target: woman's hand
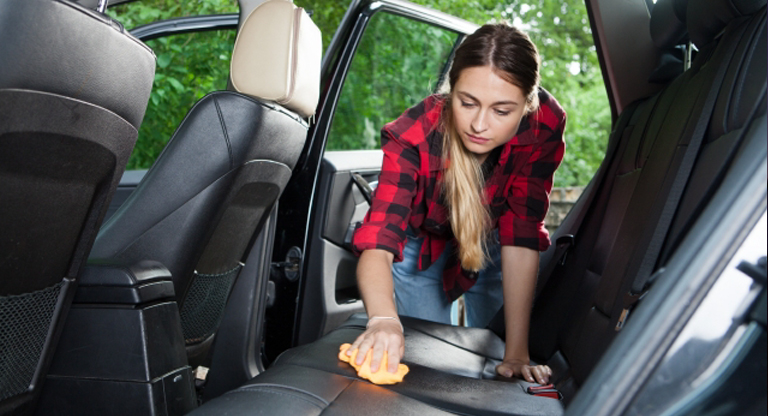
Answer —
530 373
381 335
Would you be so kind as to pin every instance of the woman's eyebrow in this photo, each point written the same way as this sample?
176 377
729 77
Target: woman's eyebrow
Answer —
471 97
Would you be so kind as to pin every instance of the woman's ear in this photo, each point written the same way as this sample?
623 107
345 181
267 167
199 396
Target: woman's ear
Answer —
532 103
528 107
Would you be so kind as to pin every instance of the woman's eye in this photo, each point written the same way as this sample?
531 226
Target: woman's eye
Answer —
466 104
502 113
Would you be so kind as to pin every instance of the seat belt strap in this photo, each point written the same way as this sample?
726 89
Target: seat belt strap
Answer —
632 297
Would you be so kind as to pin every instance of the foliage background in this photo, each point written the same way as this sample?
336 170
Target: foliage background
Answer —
190 65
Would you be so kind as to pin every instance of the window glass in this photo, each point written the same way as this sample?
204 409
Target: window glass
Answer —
396 65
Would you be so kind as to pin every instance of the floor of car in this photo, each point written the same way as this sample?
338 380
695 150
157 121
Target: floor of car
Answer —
576 313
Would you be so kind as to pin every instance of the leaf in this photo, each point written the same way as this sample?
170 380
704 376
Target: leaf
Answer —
163 60
176 84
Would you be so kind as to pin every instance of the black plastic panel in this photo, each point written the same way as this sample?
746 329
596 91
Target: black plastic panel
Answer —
170 395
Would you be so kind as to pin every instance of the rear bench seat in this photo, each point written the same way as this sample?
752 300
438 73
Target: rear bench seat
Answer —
576 313
452 369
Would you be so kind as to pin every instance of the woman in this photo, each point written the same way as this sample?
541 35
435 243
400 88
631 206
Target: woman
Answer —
461 200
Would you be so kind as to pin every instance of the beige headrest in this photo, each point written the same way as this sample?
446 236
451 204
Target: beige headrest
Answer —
277 57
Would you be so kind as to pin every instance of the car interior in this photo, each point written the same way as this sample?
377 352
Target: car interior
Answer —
225 283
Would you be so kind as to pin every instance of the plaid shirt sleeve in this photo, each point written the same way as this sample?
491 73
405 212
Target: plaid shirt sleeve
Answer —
387 219
522 224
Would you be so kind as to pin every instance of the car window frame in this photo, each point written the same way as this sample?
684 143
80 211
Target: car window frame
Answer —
297 216
181 25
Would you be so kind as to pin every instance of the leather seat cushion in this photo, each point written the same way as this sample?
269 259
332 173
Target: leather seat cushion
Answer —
466 352
452 370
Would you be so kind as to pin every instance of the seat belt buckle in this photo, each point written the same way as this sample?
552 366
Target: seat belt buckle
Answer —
630 299
547 390
564 244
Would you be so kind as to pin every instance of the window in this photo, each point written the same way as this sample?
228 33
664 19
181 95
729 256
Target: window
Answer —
397 64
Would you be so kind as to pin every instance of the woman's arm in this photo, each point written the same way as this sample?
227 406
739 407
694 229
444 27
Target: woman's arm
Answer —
374 279
519 268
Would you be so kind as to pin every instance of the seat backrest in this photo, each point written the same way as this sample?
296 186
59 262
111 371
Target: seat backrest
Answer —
206 198
66 132
576 313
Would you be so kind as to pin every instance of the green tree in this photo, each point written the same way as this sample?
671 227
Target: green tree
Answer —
570 71
396 65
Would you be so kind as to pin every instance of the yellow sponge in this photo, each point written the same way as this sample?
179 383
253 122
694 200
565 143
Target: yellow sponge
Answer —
380 377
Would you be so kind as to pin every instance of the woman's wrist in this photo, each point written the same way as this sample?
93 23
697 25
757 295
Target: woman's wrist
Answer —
375 318
516 356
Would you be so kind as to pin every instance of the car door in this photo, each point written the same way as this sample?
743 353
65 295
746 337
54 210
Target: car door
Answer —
401 55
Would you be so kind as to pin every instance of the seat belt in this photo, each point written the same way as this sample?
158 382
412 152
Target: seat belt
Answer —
645 270
759 103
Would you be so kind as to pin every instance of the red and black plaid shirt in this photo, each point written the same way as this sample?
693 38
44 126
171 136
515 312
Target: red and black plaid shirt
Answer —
409 193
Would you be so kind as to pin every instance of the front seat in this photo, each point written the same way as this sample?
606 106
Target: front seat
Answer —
73 91
208 195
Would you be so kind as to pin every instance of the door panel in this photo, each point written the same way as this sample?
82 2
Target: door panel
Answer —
346 203
331 295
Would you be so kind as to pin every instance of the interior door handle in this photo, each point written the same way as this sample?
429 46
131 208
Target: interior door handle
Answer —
363 186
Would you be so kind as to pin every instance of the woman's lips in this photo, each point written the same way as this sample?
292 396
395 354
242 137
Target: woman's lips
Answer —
477 139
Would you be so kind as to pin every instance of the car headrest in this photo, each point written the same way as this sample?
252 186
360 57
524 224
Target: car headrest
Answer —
668 23
277 57
707 18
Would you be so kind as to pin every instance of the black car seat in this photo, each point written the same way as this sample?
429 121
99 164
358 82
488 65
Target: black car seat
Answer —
208 195
73 90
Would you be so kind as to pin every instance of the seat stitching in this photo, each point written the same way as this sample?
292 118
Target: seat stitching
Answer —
268 106
439 339
351 378
416 398
337 396
224 130
291 392
304 399
282 386
358 380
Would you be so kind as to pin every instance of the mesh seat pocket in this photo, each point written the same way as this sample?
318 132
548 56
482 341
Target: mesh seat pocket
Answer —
204 304
24 324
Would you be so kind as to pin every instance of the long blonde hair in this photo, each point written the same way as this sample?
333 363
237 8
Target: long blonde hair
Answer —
516 59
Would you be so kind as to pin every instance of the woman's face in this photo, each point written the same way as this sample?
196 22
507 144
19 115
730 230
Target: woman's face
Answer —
486 109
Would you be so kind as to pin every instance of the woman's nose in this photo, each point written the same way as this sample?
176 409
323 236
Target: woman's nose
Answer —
479 123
